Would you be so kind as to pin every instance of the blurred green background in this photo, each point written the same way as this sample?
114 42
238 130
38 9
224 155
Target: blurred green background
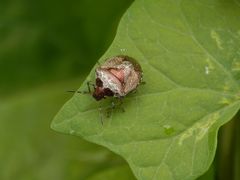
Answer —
46 48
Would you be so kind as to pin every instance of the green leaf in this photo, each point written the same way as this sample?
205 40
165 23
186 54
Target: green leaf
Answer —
210 174
189 52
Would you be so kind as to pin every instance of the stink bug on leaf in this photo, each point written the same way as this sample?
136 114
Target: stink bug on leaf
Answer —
116 77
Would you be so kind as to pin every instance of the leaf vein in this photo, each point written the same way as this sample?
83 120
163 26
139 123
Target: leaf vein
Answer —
205 50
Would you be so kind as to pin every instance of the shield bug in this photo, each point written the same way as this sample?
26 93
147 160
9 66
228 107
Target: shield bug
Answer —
117 76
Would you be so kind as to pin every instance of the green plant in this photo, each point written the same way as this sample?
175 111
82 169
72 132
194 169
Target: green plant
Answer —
189 51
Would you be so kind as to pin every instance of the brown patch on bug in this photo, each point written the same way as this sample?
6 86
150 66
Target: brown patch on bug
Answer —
100 92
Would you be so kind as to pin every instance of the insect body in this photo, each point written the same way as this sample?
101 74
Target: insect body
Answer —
117 77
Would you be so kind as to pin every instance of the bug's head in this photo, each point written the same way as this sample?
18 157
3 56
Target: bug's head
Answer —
100 93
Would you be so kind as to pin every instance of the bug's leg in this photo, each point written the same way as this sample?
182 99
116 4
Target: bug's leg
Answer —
120 99
113 105
134 91
100 114
89 84
110 109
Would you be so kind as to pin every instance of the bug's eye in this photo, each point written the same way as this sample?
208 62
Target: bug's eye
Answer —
99 83
98 96
108 92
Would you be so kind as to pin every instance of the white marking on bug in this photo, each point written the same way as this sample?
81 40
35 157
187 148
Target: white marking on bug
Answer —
217 39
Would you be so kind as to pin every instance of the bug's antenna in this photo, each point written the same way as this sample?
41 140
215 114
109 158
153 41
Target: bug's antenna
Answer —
71 91
80 92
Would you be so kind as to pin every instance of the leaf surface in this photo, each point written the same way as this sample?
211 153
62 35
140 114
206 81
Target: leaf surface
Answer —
190 54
